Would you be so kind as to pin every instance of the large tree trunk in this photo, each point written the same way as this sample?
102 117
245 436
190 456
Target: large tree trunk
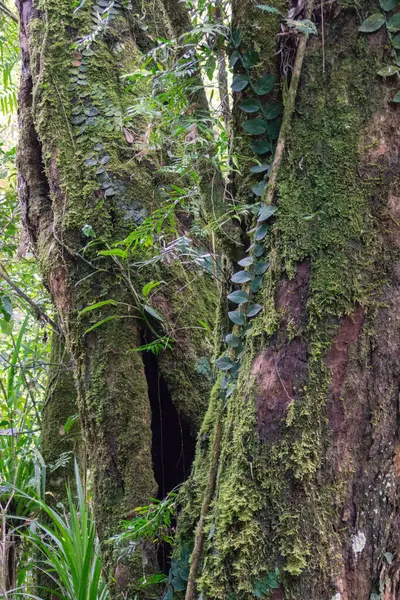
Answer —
308 471
120 395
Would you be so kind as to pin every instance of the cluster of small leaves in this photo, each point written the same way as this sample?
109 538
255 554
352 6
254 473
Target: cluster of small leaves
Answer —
392 25
254 265
178 575
264 586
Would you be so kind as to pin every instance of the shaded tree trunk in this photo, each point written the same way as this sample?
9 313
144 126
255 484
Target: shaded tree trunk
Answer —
308 471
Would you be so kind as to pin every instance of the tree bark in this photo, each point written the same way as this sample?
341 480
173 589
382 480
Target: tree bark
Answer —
62 196
308 478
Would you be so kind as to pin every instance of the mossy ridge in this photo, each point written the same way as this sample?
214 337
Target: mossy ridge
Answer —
325 220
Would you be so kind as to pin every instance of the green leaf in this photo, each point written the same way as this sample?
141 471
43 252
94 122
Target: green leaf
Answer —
253 310
259 250
246 262
238 297
274 128
233 340
97 305
146 289
389 557
239 83
153 313
256 284
250 59
266 211
273 110
99 323
394 23
260 168
373 23
237 317
250 105
261 232
388 5
260 146
396 42
397 97
224 363
258 188
234 57
264 85
113 252
388 71
241 277
91 162
6 307
236 38
260 267
269 9
255 126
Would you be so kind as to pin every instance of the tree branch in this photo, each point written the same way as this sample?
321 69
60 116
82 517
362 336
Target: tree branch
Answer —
7 12
40 313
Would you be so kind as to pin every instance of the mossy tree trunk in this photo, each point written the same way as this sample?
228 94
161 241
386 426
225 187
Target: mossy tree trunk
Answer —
79 177
308 470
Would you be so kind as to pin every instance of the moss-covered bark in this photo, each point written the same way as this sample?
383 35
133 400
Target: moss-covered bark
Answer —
80 173
61 433
308 474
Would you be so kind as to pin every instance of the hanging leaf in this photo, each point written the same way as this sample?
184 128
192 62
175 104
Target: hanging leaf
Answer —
388 5
153 313
261 267
236 38
241 277
224 363
258 188
261 232
394 23
246 262
273 110
250 59
260 146
230 389
258 250
250 105
373 23
388 71
238 297
397 97
266 211
255 126
236 317
260 168
273 128
234 57
264 85
239 83
256 284
253 310
233 340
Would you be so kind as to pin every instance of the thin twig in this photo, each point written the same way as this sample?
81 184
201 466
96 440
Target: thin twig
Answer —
7 12
288 114
31 303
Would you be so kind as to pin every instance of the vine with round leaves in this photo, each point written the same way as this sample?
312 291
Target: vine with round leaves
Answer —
391 22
